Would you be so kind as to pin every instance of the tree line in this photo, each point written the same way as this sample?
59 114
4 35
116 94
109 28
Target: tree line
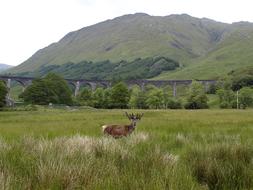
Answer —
54 89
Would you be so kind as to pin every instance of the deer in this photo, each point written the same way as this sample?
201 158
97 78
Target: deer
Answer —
118 131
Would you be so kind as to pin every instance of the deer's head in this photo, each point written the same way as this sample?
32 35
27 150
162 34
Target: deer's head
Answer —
134 118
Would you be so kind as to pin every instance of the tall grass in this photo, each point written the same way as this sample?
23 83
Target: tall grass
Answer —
57 149
90 163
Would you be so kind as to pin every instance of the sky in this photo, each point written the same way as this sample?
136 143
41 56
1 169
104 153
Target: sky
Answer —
29 25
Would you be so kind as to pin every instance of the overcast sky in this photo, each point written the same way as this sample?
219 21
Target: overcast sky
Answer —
29 25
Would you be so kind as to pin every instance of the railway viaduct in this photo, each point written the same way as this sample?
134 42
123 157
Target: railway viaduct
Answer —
77 83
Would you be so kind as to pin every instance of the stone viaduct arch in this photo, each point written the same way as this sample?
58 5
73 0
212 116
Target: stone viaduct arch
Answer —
77 83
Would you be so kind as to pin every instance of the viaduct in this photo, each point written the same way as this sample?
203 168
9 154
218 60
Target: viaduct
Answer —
77 83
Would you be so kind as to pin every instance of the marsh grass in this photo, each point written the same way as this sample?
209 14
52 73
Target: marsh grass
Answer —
222 166
57 149
88 162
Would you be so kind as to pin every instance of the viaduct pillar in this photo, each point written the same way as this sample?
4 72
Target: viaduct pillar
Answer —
174 89
77 88
93 86
9 102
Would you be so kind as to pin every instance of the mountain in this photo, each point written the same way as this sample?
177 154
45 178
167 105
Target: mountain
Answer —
4 67
204 48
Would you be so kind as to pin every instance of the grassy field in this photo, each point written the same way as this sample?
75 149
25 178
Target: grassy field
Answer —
65 149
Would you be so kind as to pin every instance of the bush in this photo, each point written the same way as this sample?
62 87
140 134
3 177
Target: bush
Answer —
225 105
174 104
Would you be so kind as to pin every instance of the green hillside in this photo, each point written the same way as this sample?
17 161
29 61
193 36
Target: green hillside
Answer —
204 48
233 53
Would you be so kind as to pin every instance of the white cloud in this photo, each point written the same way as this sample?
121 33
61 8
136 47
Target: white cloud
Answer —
29 25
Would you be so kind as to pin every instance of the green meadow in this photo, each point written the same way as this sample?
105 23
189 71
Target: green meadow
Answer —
170 149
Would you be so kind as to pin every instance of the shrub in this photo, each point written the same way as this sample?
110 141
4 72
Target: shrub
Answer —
174 104
225 105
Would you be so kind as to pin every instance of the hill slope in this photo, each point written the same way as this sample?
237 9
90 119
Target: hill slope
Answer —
203 47
232 53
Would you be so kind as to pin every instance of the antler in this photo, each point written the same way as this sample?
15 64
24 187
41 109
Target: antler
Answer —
139 116
128 116
131 116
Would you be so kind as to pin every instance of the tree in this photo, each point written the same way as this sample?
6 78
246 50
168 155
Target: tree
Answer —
138 98
241 80
167 95
51 89
212 89
226 98
155 98
225 94
107 98
119 96
98 98
39 93
141 100
85 97
3 93
246 97
196 98
60 87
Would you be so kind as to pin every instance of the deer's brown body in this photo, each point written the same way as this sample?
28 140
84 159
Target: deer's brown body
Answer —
118 130
122 130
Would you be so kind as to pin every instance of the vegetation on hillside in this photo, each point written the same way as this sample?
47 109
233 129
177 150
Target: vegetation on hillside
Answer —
123 70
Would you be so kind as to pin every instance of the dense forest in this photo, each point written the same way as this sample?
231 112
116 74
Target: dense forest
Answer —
123 70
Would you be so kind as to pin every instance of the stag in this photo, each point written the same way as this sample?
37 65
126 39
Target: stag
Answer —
118 131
